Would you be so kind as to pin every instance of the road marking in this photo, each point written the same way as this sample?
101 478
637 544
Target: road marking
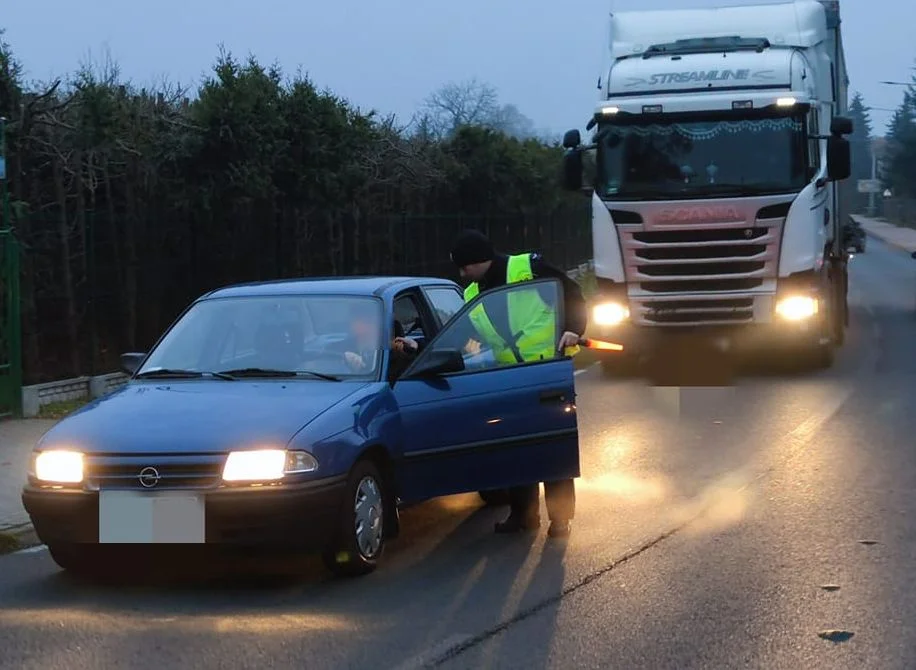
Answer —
32 550
583 370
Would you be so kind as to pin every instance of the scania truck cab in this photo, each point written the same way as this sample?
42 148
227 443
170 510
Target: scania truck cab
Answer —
719 151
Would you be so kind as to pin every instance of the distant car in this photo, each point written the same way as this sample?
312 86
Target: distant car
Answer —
251 423
854 236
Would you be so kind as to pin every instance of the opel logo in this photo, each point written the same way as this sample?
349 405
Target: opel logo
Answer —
148 477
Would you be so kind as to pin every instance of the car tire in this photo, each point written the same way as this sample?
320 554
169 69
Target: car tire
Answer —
495 498
360 538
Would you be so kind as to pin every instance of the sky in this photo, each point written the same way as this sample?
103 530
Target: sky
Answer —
541 55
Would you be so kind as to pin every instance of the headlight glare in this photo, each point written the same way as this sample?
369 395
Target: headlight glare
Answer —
797 307
59 466
610 314
264 465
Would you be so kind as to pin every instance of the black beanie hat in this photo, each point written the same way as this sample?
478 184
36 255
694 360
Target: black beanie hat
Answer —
472 246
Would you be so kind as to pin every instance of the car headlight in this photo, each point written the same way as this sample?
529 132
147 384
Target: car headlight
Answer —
797 307
264 465
58 466
610 314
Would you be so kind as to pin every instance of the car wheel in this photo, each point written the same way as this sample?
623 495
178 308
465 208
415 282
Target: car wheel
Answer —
495 498
360 539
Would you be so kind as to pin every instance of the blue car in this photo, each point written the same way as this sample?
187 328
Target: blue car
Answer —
303 415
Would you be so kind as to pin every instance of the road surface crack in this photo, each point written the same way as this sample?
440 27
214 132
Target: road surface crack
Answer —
453 652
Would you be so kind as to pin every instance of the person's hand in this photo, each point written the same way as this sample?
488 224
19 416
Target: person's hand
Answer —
405 344
355 361
568 339
472 347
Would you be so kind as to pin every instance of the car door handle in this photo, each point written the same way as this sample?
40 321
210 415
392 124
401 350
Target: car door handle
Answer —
553 396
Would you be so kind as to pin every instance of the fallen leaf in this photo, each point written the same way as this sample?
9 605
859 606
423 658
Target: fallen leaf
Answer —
836 635
830 587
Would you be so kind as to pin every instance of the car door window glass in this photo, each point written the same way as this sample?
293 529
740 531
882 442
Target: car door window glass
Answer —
511 326
407 317
446 302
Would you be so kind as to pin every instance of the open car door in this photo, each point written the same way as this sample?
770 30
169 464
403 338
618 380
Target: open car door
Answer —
472 422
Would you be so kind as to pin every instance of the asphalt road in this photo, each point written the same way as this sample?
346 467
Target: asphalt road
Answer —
707 531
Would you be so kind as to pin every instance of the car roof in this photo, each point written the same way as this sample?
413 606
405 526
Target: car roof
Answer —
365 286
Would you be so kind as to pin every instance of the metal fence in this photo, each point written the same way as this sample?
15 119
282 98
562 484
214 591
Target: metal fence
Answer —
118 292
10 331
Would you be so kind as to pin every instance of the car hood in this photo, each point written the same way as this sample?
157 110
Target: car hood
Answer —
200 416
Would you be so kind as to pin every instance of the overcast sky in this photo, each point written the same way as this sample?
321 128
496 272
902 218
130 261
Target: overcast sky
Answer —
544 56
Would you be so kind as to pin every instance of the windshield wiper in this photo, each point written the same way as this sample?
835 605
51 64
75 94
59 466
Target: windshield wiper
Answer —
174 373
267 372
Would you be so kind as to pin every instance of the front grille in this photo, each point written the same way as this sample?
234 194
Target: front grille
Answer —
684 312
698 274
192 471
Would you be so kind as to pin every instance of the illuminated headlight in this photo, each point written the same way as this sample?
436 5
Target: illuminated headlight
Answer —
264 465
610 314
58 466
797 307
610 111
785 102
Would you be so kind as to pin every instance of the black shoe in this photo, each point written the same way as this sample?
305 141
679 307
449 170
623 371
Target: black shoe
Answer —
558 529
514 524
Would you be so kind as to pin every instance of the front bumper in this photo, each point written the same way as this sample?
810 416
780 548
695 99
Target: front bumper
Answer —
302 516
647 341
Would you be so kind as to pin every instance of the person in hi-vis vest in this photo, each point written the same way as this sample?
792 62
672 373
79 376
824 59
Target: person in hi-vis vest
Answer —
527 314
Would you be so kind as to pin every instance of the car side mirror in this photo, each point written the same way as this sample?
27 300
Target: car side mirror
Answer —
913 255
839 158
131 362
437 362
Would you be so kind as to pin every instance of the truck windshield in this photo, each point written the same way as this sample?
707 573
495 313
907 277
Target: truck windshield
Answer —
692 158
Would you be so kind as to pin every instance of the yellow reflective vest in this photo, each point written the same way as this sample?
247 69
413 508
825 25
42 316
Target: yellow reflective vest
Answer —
531 320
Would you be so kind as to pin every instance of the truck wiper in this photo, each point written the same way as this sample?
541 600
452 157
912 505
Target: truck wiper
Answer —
269 372
175 373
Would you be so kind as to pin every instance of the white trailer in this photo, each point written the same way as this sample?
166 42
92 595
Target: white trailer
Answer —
719 153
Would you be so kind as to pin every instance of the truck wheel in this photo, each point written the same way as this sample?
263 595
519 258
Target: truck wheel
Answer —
495 498
360 539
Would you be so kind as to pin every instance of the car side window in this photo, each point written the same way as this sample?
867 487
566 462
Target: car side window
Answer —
407 316
515 325
446 302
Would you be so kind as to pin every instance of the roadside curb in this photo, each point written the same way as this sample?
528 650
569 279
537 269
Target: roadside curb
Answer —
18 538
889 242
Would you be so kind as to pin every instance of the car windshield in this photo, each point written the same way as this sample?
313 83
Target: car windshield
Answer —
313 337
695 158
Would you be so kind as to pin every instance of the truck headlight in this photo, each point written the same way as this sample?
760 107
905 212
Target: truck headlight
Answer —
58 466
610 314
797 307
264 465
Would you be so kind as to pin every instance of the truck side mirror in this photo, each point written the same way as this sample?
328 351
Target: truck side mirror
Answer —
841 125
839 160
572 170
572 139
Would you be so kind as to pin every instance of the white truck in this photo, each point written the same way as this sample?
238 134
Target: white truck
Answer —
720 150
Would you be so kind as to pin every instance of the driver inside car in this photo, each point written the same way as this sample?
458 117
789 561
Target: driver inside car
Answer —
362 345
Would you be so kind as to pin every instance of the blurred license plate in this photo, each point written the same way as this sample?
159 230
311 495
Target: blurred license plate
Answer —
136 517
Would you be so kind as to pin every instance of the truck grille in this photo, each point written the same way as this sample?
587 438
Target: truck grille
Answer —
195 471
701 274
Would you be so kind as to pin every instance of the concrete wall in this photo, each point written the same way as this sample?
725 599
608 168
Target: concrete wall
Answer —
78 388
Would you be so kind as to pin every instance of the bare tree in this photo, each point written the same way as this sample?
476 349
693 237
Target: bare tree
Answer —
469 103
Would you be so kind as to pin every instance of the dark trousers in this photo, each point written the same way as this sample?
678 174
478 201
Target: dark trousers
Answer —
560 497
